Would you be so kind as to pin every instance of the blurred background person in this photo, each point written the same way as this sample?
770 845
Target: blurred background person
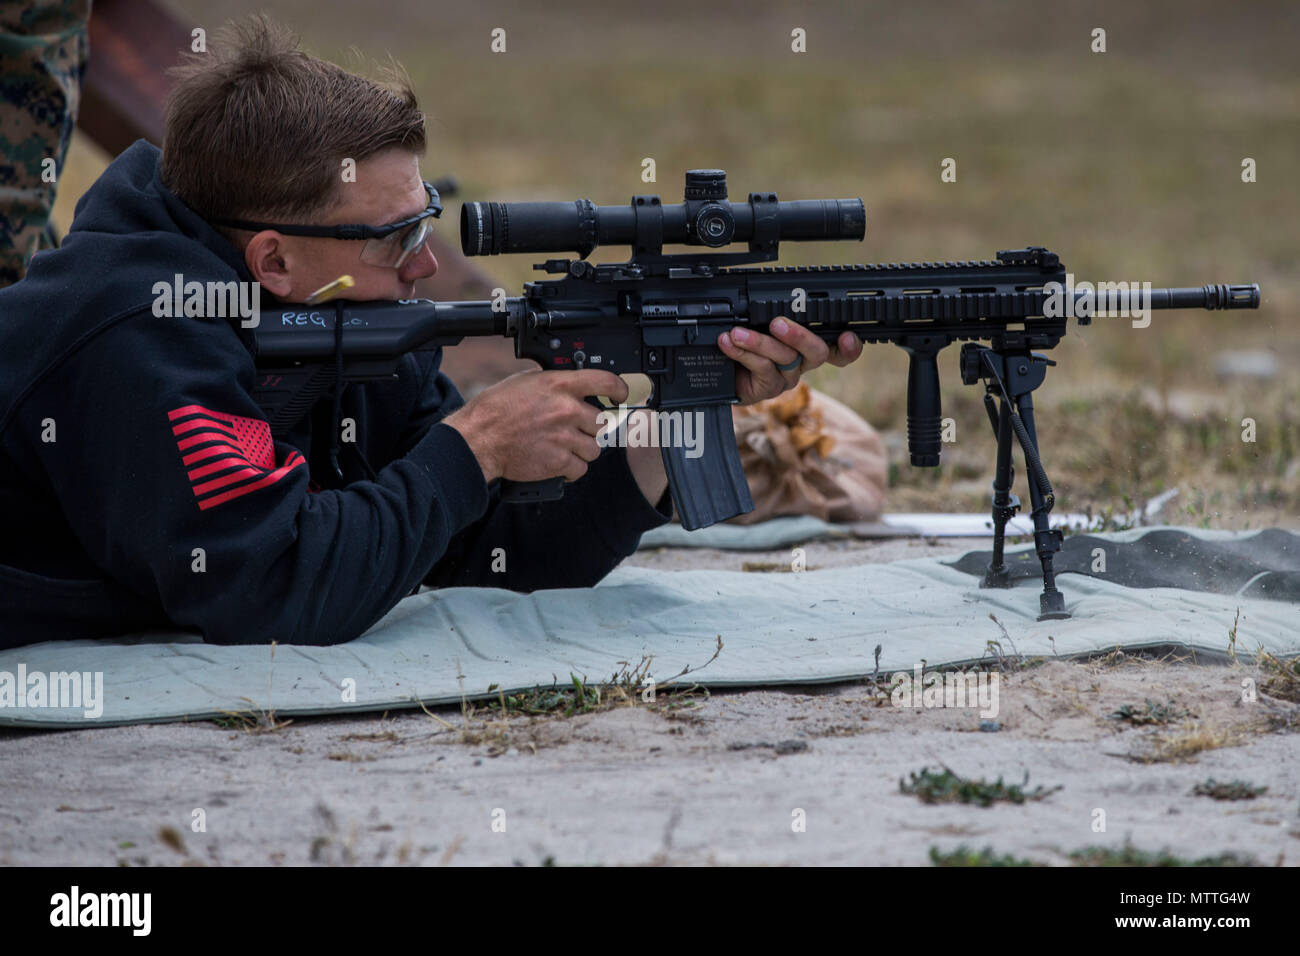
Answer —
44 48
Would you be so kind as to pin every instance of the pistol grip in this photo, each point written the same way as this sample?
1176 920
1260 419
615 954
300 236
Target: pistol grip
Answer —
711 487
528 492
548 489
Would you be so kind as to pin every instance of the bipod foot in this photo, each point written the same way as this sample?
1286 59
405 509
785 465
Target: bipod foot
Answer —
996 577
1051 606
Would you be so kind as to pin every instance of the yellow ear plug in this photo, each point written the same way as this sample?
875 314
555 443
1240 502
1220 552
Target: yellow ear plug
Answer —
330 290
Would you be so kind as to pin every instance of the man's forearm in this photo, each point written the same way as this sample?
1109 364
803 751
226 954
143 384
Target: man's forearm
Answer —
570 543
647 466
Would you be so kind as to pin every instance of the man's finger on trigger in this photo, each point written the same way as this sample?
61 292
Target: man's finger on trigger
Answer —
595 381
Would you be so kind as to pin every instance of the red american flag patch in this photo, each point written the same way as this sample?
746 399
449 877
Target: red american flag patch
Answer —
227 456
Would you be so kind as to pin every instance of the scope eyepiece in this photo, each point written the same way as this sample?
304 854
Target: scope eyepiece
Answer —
705 218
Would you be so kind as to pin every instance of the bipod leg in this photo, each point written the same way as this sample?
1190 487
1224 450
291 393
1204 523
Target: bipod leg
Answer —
1046 540
1005 504
1011 374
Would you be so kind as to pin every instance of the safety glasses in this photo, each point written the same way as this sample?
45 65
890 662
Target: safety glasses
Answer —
390 245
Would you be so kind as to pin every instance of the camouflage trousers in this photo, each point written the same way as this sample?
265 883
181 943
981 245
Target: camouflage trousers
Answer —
43 53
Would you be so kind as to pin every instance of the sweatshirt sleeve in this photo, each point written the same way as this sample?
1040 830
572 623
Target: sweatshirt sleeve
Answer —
573 542
170 479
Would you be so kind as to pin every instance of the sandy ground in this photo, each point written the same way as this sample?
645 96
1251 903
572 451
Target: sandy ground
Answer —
721 779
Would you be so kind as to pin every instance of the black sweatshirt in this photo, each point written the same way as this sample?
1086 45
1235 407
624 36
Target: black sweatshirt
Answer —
140 487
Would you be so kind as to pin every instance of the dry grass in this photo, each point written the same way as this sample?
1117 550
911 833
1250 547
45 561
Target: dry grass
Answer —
171 837
346 756
1283 676
385 736
1189 740
519 720
1228 790
255 720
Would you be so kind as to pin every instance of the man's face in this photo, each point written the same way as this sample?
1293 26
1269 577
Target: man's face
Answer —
387 188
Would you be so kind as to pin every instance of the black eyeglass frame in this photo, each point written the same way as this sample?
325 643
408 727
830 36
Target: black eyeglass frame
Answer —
349 231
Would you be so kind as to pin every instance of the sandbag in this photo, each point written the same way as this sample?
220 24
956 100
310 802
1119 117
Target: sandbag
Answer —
804 453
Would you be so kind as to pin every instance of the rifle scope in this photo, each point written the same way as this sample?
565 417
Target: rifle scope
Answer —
706 218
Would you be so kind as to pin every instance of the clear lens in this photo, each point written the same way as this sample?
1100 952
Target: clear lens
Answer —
381 252
414 242
393 250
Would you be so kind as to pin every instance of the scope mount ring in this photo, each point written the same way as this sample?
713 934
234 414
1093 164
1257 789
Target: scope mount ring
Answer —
649 216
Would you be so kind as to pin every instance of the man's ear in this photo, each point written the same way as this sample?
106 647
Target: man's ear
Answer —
264 256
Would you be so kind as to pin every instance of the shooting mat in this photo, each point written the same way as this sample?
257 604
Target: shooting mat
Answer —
1167 587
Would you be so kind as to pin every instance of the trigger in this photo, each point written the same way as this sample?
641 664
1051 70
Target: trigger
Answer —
639 389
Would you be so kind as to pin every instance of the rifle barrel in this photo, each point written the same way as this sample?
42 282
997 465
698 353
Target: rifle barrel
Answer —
1213 297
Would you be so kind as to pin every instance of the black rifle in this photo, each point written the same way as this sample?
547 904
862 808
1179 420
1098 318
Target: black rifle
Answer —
661 315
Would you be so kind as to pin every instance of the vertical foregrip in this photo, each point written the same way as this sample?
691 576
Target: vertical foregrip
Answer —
924 410
711 487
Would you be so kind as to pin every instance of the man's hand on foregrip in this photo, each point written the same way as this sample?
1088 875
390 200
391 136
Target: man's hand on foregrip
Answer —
771 364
